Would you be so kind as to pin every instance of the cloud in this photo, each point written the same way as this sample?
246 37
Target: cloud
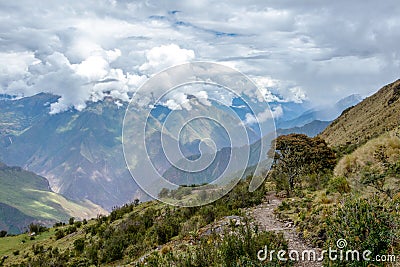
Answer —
161 57
296 50
75 83
261 117
186 96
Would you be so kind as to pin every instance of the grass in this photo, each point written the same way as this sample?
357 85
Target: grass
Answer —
351 166
370 118
31 195
22 243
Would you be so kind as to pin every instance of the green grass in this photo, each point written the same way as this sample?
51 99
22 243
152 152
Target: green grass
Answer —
22 242
31 195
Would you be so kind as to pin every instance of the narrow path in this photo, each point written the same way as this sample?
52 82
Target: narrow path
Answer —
266 220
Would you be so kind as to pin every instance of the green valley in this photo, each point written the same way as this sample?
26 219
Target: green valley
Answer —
26 197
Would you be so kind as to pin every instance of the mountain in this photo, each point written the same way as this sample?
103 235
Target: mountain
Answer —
370 118
227 162
80 153
320 113
26 197
311 129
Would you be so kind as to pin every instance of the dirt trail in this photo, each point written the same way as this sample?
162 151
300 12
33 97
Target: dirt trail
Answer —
264 217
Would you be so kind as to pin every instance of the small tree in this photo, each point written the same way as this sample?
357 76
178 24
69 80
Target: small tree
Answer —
3 233
297 154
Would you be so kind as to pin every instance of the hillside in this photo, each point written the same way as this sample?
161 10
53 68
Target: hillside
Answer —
370 118
80 153
26 197
375 165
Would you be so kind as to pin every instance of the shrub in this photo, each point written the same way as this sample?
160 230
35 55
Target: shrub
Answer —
37 228
3 233
79 245
338 184
59 234
366 224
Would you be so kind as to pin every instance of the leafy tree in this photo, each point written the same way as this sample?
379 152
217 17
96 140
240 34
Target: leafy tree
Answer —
297 154
3 233
36 228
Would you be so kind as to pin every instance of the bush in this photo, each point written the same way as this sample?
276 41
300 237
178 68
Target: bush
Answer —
59 234
238 247
79 245
71 229
366 224
3 233
113 250
37 228
338 184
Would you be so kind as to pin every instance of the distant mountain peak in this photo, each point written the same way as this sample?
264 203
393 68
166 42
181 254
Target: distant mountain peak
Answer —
349 101
368 119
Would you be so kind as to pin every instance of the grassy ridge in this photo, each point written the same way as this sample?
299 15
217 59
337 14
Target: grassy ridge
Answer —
370 118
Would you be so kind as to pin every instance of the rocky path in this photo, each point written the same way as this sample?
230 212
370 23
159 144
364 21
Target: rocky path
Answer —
265 219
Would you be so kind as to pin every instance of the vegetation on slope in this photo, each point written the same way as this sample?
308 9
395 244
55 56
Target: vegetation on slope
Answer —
27 197
357 201
130 232
370 118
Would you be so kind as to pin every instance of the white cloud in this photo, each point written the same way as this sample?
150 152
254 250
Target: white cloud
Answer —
261 117
299 50
164 56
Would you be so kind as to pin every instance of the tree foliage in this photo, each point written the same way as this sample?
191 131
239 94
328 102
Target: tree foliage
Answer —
296 155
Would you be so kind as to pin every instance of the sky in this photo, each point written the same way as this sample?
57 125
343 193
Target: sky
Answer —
316 51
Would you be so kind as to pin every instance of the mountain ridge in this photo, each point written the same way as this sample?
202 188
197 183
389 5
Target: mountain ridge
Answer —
370 118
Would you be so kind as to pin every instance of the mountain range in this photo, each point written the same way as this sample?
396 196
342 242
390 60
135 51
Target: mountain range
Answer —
80 152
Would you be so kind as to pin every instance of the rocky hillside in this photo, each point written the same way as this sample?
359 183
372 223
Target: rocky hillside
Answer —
370 118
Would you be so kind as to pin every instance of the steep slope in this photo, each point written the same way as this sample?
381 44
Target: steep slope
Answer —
12 220
80 153
378 159
370 118
27 197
